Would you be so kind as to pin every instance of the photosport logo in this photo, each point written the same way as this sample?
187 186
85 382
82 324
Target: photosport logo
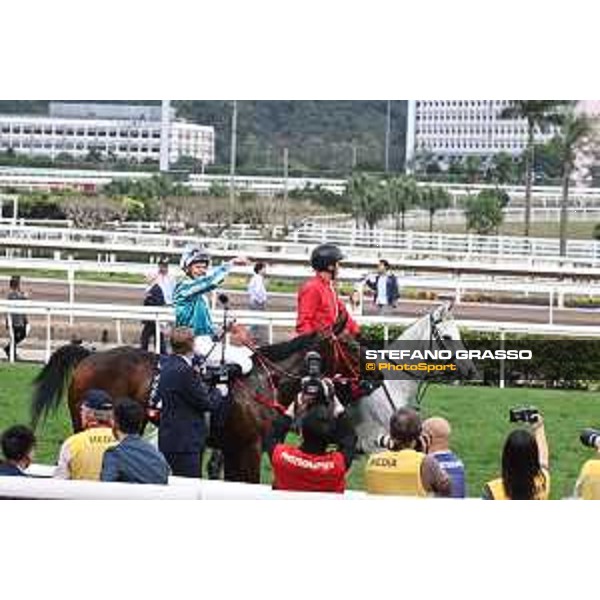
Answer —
516 360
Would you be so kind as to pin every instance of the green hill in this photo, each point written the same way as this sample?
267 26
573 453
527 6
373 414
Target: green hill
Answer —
321 135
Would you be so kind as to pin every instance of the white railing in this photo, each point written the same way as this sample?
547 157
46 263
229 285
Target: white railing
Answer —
44 488
271 320
362 246
456 285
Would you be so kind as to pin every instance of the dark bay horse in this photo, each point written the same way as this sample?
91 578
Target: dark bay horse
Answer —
271 385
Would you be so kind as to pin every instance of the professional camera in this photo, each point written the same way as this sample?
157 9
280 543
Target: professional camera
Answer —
524 415
313 388
589 437
214 375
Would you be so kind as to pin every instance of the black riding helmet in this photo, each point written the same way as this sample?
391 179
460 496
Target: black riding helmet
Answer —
325 256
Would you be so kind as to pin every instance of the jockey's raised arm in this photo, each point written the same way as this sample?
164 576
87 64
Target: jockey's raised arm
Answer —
189 298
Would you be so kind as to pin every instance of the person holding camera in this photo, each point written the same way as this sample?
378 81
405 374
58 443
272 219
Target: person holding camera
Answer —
313 466
588 482
525 466
404 469
184 399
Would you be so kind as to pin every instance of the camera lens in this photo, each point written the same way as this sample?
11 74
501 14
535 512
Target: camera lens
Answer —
589 437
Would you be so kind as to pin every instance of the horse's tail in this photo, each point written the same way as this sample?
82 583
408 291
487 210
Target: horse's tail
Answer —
50 383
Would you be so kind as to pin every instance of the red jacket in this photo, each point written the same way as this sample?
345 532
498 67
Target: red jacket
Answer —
319 308
297 471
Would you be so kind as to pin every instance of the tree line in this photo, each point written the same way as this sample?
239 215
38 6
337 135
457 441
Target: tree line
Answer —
372 199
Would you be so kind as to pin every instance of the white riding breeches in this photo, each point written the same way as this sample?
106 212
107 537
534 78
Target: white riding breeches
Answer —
239 355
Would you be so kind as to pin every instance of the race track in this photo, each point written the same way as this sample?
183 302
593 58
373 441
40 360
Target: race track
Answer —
132 294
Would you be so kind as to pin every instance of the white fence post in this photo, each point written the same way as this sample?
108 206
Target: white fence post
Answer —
71 280
48 335
11 338
502 382
157 333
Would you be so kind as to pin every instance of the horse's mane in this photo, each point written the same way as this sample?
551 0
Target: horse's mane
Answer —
283 350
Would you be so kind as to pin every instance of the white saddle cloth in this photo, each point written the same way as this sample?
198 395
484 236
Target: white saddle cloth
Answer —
239 355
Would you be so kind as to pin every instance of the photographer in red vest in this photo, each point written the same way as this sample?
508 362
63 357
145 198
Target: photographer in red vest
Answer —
319 306
326 450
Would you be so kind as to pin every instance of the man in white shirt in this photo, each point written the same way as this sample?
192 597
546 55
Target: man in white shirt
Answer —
257 292
385 286
158 293
164 280
257 298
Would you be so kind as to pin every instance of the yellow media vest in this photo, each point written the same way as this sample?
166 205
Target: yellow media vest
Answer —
542 485
588 483
86 451
395 473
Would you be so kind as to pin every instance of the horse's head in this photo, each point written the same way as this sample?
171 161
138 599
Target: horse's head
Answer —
445 335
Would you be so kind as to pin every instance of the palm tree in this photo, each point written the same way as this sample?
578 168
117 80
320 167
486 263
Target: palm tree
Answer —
368 198
403 194
473 168
574 139
503 168
539 114
433 199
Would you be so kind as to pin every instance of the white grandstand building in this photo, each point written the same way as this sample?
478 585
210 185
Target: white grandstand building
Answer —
450 129
122 131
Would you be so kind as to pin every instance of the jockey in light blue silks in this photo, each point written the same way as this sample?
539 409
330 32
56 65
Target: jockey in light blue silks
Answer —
191 304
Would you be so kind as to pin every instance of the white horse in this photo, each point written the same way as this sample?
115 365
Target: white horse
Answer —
375 410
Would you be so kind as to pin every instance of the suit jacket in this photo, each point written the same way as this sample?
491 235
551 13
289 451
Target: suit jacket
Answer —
8 470
391 288
185 399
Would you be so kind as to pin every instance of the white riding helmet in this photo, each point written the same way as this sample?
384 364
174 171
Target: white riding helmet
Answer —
193 255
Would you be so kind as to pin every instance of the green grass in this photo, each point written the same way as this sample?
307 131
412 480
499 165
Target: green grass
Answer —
15 397
575 229
479 417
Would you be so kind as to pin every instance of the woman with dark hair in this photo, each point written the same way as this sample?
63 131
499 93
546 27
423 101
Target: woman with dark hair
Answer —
525 472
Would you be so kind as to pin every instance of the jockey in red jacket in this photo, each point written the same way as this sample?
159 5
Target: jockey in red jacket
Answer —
319 306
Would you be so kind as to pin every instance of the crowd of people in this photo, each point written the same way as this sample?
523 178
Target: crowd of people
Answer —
415 458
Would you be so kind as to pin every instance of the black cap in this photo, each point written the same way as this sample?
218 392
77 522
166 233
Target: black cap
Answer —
97 400
325 256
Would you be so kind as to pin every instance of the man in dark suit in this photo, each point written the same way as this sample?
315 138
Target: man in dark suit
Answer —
185 400
154 297
18 445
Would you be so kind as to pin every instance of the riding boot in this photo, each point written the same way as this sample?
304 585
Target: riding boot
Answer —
215 464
